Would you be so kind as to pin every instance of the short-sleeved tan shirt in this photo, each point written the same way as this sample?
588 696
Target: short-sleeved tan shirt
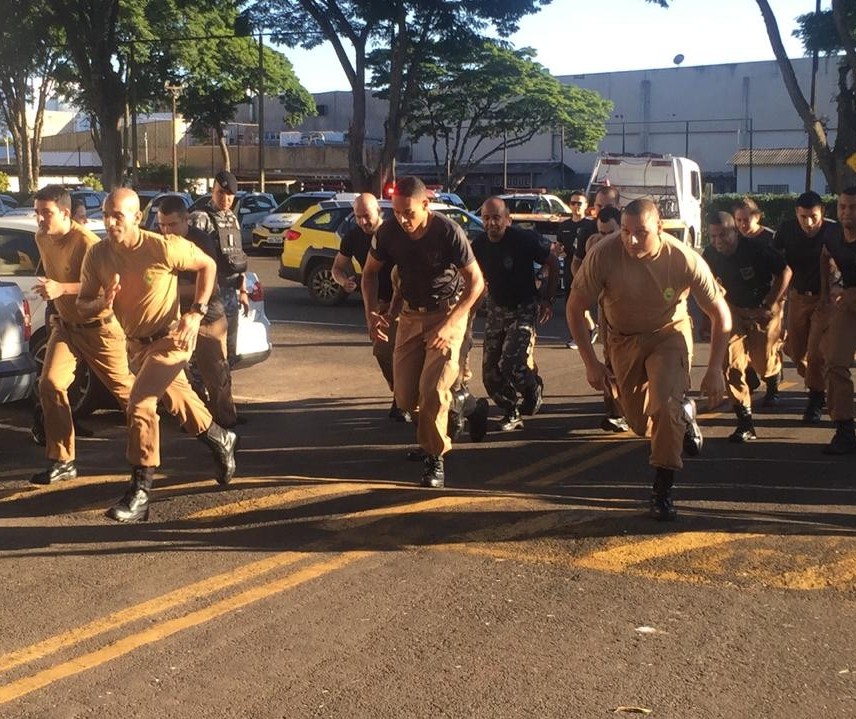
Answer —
645 295
62 260
147 302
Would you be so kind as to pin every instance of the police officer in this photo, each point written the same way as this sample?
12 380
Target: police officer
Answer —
643 277
440 282
566 232
754 277
134 274
506 256
210 356
220 223
839 341
97 340
355 245
801 241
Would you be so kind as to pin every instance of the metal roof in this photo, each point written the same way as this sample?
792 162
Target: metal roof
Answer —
770 157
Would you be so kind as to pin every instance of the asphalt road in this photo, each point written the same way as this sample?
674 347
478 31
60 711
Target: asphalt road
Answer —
323 582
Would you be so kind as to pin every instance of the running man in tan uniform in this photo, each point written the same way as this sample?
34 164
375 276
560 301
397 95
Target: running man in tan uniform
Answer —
134 273
98 341
643 278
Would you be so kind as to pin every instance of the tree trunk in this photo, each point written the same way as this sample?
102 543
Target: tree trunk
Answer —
224 148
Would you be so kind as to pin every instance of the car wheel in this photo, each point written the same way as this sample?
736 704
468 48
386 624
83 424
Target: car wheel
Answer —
85 392
322 287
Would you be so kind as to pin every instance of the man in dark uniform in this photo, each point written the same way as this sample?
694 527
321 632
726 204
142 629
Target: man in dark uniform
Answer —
566 233
839 342
220 223
801 241
440 282
754 277
355 245
506 256
134 274
210 357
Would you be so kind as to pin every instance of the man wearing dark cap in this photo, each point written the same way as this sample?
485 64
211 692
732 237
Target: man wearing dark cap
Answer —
220 223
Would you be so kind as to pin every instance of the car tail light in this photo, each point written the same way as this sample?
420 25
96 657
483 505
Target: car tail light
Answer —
28 321
256 293
291 235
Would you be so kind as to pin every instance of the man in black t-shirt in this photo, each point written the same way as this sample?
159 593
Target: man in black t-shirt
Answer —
801 242
605 197
355 245
753 276
839 342
440 282
506 255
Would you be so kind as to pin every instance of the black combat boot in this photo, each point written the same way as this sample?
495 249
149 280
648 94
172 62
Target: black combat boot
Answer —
478 420
223 444
57 472
814 409
511 421
693 440
745 430
614 424
771 396
397 414
662 508
434 475
457 413
134 505
844 439
532 398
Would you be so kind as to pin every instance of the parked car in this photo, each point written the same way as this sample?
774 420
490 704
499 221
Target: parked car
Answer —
17 369
150 210
249 207
312 242
270 230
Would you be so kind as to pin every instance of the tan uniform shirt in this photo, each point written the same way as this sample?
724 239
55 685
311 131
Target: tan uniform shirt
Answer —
645 295
147 302
62 259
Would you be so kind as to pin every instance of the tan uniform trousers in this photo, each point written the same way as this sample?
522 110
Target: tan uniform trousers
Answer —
383 351
159 369
838 346
751 343
211 361
807 321
424 377
652 372
611 403
102 347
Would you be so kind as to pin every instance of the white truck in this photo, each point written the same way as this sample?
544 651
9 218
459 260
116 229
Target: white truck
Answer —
673 183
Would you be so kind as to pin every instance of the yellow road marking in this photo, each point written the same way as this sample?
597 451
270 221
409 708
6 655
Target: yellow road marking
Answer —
163 630
620 558
822 576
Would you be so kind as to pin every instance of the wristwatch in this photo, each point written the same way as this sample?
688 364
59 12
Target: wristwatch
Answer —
200 308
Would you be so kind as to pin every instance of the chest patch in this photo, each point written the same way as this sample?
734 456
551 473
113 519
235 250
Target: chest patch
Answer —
747 273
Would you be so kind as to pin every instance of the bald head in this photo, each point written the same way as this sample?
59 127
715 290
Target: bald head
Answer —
122 216
495 217
367 212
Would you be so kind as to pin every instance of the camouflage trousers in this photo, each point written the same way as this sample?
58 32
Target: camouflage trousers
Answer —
509 340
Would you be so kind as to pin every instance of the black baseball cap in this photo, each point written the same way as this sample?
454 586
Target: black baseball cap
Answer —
227 181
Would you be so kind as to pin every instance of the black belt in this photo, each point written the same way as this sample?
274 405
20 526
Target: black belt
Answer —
100 322
434 306
151 338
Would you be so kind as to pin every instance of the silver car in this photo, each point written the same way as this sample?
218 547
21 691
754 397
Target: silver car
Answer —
17 369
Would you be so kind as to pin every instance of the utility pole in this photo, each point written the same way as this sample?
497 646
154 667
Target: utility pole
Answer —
175 91
809 163
261 114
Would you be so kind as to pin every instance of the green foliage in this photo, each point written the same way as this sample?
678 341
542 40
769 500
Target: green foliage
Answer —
159 175
4 182
817 32
92 181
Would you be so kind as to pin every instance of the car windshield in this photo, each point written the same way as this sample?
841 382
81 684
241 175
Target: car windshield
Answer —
296 204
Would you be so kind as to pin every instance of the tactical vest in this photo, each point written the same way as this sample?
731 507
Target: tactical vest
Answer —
233 259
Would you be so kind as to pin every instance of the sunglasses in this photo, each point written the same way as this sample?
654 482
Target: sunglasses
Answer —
575 204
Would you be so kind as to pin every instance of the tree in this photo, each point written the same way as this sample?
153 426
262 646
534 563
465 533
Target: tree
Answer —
833 32
475 101
28 62
219 75
407 28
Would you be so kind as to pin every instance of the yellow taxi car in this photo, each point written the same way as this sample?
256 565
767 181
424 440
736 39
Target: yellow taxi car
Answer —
310 244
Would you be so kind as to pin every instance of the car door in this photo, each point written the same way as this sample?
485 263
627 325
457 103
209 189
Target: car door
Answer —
252 209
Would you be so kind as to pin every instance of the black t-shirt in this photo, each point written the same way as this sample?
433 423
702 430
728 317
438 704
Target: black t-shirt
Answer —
566 235
356 244
747 275
844 254
802 253
765 235
210 247
587 228
507 265
427 267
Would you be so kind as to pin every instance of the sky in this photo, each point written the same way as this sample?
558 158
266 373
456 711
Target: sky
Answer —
641 36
